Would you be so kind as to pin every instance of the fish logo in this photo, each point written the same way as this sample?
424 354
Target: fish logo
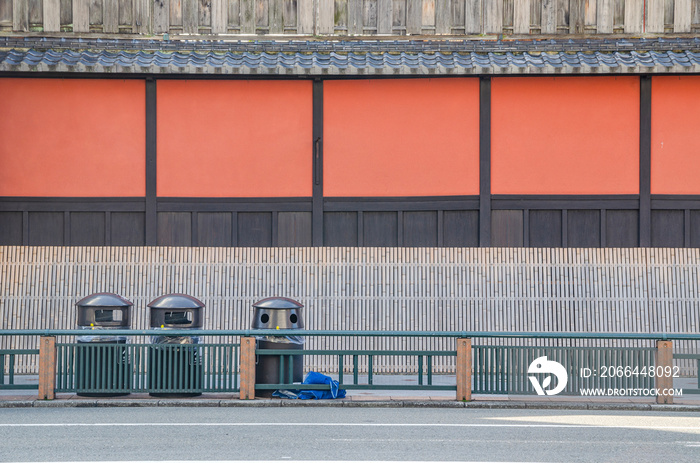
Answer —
549 367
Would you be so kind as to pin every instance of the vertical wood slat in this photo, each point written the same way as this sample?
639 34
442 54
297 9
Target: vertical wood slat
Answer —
219 16
52 15
634 14
110 18
682 15
549 17
276 16
325 17
604 17
81 16
472 17
305 17
384 16
247 16
577 16
414 16
20 15
493 17
655 16
190 16
142 18
443 17
521 17
355 17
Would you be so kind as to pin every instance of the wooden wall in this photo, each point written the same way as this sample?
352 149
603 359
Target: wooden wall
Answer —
498 289
352 17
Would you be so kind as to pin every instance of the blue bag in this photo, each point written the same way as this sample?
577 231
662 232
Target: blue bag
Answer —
314 378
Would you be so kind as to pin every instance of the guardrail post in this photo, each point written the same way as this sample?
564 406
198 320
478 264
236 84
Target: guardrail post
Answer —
464 369
247 368
664 359
47 367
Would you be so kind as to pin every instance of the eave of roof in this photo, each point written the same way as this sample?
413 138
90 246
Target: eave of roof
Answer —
360 57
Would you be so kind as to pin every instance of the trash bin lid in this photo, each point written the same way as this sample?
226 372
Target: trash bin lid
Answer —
277 303
103 300
176 301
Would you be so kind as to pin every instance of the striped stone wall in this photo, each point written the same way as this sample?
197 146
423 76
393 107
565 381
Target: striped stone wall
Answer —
508 289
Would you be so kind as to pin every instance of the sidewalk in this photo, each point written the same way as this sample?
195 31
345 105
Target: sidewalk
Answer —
356 398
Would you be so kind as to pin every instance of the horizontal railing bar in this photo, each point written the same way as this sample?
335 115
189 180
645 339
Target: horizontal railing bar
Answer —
362 333
19 351
353 352
326 387
19 386
687 356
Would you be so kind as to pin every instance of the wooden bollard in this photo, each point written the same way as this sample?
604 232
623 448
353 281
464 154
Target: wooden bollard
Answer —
464 369
247 368
47 367
664 364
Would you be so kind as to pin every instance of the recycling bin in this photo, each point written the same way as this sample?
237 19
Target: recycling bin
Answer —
278 313
175 362
102 364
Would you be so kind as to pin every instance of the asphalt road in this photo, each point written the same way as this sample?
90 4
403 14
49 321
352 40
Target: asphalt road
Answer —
350 434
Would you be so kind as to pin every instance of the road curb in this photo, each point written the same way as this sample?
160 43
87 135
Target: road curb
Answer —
266 403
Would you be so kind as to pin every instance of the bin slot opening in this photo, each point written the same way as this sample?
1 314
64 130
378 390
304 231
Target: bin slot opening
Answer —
178 318
108 315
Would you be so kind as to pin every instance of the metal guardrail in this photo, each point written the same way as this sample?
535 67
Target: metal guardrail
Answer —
10 355
155 368
695 357
227 367
504 369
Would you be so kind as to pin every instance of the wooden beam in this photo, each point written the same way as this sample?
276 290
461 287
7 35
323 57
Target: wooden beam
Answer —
47 367
151 164
317 165
645 162
464 369
247 368
664 362
485 162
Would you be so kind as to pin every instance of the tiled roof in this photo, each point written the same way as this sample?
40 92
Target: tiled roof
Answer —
405 57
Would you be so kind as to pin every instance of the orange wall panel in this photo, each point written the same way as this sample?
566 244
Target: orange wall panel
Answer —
234 138
675 145
401 137
72 137
565 135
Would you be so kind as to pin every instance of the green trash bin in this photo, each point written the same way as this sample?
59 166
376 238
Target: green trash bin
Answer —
175 367
102 364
